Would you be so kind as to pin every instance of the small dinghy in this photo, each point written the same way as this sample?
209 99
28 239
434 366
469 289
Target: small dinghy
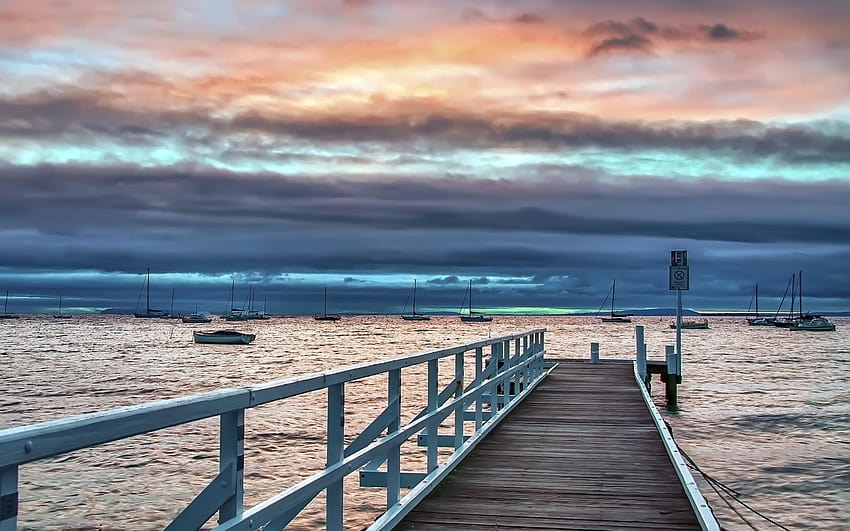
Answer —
228 337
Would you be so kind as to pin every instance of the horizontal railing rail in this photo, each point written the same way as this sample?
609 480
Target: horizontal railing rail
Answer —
514 366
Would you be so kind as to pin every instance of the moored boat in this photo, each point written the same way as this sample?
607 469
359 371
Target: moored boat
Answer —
149 313
473 316
757 320
692 324
6 315
224 337
326 316
236 314
413 316
615 317
817 324
196 318
61 315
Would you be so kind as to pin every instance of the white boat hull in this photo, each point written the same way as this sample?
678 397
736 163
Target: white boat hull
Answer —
815 325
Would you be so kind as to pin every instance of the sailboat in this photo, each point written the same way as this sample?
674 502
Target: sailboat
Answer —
809 321
326 316
473 316
758 321
236 314
196 317
413 316
615 317
61 315
692 324
150 313
252 313
6 315
171 314
787 322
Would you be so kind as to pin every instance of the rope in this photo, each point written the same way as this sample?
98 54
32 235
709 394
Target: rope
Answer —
720 489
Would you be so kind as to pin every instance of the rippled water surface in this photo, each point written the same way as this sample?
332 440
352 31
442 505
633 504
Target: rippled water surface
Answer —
763 410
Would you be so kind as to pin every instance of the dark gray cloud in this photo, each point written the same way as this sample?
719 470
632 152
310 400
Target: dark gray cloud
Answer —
528 18
631 42
560 239
76 201
638 34
86 121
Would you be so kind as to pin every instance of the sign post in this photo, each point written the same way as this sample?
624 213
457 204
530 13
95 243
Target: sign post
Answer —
679 281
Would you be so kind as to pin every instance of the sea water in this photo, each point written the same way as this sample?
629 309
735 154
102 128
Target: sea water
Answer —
763 410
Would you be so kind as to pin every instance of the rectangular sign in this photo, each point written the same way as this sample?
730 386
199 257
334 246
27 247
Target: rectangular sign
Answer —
679 278
679 258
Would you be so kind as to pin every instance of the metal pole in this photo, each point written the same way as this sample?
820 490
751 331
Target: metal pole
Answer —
679 323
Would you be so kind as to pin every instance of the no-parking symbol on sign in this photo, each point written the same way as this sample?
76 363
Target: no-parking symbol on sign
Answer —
679 278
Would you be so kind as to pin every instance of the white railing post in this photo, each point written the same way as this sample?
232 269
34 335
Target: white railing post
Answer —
506 355
479 404
594 353
494 389
538 347
232 454
640 353
461 408
9 498
518 352
336 448
432 406
394 457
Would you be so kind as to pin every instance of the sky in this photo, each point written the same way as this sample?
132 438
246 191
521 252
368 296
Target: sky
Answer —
538 148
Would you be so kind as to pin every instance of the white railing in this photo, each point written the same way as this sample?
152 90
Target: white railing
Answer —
512 368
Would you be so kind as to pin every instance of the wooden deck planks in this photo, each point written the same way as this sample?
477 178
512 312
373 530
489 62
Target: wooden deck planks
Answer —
581 452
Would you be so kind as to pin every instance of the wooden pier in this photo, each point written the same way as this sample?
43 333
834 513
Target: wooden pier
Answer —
581 452
536 444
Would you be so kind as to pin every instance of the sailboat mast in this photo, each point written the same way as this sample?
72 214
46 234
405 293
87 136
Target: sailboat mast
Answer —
148 284
414 296
326 300
171 310
757 300
470 297
6 304
793 294
800 280
613 290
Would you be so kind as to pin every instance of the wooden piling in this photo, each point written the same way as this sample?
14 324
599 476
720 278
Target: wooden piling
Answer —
671 392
